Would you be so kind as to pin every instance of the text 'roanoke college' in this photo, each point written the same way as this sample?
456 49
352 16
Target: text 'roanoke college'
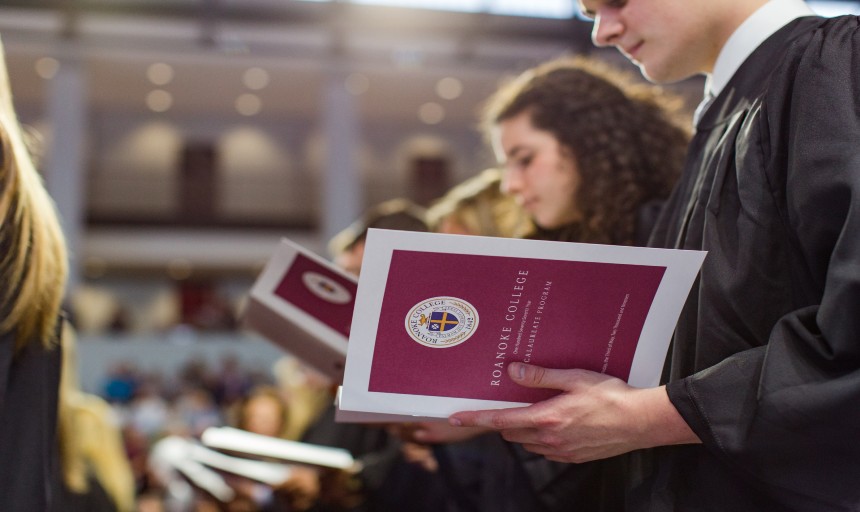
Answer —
510 315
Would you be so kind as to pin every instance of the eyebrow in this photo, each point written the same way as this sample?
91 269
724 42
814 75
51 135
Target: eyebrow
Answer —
515 151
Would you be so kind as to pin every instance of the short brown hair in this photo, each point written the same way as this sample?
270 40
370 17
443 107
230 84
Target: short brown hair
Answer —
399 214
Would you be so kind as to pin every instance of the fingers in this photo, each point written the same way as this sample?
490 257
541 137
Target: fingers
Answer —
405 431
532 376
496 419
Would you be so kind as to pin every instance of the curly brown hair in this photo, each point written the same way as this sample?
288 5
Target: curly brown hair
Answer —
625 137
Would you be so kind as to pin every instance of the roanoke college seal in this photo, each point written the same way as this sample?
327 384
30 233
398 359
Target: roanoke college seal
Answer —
326 288
442 322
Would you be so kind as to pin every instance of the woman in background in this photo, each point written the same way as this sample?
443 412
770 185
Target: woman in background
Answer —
33 271
588 153
265 411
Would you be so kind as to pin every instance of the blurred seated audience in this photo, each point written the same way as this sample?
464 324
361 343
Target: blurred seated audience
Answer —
95 310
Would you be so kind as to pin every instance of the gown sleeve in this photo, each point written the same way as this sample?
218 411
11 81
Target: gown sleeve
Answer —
786 415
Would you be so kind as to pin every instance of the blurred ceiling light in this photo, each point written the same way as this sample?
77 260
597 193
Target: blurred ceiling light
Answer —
248 104
159 100
449 88
357 84
160 73
47 67
431 113
255 78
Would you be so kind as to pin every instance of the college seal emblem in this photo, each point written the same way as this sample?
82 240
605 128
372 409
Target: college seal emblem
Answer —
326 288
442 322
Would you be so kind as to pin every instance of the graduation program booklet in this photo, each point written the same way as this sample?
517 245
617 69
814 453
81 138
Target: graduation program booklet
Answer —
258 445
439 317
304 303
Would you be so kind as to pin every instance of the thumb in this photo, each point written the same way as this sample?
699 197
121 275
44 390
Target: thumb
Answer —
532 376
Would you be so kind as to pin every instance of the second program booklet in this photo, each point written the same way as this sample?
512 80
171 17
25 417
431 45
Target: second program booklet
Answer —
439 317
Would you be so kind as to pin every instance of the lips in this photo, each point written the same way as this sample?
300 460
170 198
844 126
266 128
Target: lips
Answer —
631 51
527 204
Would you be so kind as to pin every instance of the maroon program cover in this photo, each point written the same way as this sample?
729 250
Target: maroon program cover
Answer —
319 292
450 323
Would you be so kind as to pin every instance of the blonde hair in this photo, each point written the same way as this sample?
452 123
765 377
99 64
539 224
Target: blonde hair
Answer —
479 206
33 264
90 442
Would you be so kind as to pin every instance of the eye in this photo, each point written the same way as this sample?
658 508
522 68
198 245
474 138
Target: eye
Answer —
523 161
591 13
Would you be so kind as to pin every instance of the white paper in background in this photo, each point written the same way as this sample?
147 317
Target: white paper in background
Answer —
240 441
172 455
266 472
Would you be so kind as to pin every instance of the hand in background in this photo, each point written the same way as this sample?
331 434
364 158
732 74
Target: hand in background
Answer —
435 432
420 454
302 489
341 489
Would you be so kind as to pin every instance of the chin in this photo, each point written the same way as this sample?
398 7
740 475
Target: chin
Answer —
661 75
548 225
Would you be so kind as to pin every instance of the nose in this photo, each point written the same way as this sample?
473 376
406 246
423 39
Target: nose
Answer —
512 181
607 28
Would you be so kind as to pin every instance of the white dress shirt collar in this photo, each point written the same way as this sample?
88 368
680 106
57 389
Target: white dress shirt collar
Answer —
762 24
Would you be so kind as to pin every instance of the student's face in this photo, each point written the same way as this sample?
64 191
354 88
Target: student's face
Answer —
452 226
538 174
668 39
263 416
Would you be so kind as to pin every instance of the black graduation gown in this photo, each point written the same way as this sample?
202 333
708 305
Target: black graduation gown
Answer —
389 482
489 474
96 499
482 474
29 456
765 363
